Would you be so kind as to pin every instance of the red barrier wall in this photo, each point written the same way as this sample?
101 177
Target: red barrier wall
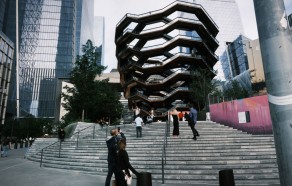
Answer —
260 120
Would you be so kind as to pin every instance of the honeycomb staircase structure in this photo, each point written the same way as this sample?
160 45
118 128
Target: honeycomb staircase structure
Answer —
158 51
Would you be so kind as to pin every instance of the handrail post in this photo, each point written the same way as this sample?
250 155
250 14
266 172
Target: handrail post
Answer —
162 170
60 148
42 151
106 132
42 158
77 139
168 125
165 154
93 131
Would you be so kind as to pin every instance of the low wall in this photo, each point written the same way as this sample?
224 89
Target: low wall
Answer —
259 114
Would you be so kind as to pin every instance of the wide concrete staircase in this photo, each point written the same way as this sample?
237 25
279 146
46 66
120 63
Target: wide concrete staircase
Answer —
252 157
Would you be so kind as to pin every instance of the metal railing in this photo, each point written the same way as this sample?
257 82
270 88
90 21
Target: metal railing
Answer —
213 99
42 151
60 143
77 141
163 155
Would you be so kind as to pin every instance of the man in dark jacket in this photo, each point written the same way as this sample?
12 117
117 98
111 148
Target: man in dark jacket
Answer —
62 134
193 120
112 158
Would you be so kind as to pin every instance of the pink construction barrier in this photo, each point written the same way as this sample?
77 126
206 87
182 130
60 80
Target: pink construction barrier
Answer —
259 111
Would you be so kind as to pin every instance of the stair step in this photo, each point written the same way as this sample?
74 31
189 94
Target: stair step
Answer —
252 157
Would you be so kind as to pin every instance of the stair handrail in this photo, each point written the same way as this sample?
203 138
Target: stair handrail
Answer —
59 141
42 151
78 133
163 156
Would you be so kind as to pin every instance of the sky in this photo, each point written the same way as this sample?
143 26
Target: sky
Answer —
114 10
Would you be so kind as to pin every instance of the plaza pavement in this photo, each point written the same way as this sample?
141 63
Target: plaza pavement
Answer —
15 170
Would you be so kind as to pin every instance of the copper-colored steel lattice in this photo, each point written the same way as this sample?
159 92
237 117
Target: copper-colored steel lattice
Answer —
157 50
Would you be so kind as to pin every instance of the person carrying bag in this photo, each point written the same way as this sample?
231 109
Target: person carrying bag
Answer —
123 160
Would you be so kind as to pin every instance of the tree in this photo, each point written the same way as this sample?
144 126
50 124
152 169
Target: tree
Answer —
26 127
201 86
236 91
90 98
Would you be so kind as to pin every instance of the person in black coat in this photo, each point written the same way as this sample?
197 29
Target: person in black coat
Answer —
112 159
123 160
62 134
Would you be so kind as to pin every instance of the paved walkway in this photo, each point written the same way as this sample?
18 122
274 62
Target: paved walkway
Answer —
17 171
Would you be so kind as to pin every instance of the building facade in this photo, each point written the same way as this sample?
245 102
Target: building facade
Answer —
234 59
51 34
157 51
6 60
99 26
242 61
47 33
226 15
89 27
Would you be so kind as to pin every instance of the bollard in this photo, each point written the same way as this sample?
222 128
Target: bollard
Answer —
226 177
144 179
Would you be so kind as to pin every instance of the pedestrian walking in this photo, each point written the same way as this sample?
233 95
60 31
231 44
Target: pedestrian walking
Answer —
61 134
139 123
192 120
112 159
5 147
123 160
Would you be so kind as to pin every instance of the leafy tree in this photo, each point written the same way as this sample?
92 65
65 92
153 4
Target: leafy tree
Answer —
236 91
26 127
94 99
201 86
257 87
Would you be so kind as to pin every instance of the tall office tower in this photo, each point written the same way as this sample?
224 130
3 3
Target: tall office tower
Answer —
6 60
99 37
88 27
84 24
2 11
226 16
46 51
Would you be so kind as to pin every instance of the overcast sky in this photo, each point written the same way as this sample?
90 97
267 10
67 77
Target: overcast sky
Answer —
115 10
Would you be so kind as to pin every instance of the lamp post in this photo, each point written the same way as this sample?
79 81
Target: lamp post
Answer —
275 41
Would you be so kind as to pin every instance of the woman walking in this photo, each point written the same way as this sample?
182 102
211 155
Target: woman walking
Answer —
123 160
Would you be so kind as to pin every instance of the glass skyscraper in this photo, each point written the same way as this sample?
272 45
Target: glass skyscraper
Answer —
99 26
6 60
90 27
226 16
47 39
234 60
